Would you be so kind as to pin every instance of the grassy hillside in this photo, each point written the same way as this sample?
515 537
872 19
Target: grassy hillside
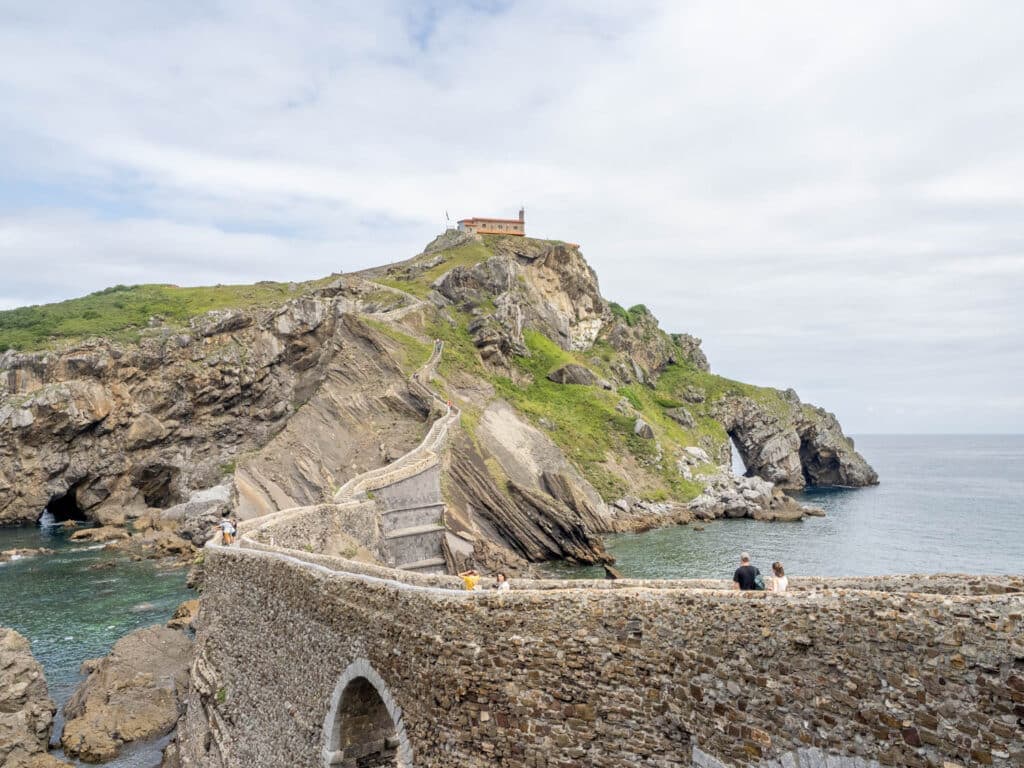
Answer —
121 312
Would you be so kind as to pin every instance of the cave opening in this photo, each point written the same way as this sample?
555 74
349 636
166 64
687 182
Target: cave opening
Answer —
63 507
157 485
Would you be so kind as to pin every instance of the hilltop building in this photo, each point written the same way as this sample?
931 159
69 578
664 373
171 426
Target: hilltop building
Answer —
482 226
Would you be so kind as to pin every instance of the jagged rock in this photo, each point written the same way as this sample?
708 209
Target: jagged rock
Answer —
184 615
220 321
681 416
691 350
196 519
697 455
530 522
573 373
642 429
145 430
17 554
694 394
800 446
133 694
101 534
26 710
535 284
732 496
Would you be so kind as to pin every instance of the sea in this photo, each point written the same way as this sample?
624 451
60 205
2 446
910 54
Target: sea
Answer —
74 604
945 504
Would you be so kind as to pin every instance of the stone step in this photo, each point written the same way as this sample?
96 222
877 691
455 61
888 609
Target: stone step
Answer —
408 517
421 565
415 530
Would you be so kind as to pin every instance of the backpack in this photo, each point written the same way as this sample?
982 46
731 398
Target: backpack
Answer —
759 582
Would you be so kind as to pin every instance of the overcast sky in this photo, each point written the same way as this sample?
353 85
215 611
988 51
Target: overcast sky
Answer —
830 194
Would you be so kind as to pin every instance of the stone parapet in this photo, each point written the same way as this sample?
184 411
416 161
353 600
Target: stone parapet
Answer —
628 674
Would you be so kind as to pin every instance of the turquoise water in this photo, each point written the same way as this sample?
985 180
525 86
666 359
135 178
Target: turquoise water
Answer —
71 612
946 503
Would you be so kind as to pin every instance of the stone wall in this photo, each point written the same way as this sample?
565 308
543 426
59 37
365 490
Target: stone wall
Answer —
601 674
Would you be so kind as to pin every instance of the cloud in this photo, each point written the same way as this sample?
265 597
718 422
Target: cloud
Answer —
828 194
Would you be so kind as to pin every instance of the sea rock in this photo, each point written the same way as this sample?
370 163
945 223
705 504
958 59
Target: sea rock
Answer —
795 446
573 373
184 615
26 710
102 534
17 554
133 694
732 496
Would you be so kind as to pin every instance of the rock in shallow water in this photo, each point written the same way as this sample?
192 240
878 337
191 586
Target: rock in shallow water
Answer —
26 710
134 694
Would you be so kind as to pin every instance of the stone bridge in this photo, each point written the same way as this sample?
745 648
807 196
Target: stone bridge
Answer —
305 658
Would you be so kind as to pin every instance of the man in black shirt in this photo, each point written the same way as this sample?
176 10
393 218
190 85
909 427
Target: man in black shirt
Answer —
746 575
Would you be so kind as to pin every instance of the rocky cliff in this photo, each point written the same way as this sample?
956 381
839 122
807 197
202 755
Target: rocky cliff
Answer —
578 416
26 709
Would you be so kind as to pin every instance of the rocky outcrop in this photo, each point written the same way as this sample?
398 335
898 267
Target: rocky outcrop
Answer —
544 286
108 431
135 693
731 496
646 349
530 522
20 553
792 444
26 710
573 374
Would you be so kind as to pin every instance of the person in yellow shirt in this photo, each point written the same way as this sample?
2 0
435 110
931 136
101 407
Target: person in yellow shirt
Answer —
471 580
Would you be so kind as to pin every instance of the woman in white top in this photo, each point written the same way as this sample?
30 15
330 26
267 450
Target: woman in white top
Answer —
779 581
501 583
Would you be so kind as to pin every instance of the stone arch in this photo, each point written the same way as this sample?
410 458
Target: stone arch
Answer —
364 727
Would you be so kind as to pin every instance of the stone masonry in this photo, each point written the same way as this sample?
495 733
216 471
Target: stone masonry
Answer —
602 676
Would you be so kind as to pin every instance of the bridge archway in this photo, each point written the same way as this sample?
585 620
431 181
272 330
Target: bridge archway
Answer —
363 727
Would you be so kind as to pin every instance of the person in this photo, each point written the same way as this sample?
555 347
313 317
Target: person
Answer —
471 580
501 583
780 582
746 576
227 531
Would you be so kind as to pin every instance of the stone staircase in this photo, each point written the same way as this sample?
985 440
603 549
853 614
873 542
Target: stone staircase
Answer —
407 492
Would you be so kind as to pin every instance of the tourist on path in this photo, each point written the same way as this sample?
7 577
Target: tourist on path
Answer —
227 532
746 577
501 583
780 582
471 580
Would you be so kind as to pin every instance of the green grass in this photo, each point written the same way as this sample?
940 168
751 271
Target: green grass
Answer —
122 312
588 426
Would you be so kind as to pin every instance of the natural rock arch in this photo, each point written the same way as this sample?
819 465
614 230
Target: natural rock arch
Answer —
364 727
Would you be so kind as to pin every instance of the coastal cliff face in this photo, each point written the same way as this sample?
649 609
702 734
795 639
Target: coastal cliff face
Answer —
107 430
578 416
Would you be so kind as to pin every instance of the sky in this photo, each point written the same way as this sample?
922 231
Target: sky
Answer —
829 194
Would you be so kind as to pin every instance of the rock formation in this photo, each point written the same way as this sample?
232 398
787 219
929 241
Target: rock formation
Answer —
792 444
135 693
26 710
106 431
568 401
